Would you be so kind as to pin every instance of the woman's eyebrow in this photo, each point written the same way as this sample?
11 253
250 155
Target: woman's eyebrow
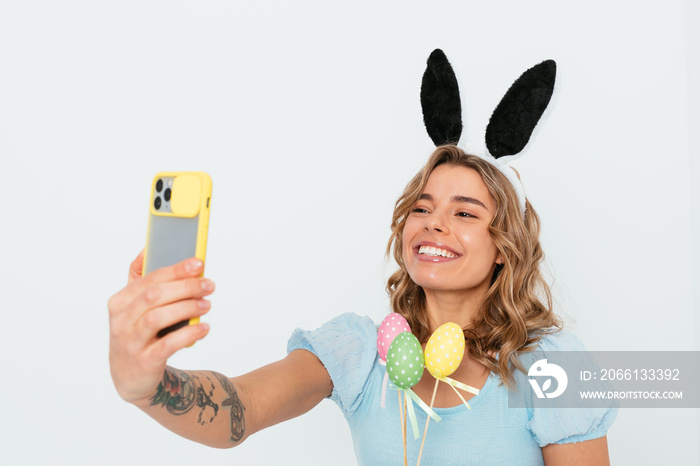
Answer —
467 199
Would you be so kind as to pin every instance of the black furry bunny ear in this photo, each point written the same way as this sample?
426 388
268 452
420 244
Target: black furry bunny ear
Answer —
439 97
516 116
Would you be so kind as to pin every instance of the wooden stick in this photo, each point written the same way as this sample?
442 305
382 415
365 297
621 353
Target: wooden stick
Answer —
405 428
425 432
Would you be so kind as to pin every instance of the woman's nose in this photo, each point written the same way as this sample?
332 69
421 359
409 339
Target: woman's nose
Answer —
435 223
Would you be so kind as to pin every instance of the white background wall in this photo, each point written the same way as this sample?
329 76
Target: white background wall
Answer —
307 117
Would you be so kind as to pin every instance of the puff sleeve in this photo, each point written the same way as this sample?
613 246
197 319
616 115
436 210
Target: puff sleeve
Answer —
570 424
347 347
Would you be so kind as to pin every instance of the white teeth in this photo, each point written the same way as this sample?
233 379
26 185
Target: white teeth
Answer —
431 251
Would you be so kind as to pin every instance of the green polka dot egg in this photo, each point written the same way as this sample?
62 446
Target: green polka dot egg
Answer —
445 350
404 360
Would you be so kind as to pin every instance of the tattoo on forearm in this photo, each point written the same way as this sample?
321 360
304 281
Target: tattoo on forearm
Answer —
179 391
237 408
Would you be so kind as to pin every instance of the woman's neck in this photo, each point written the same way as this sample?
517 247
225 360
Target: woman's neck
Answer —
459 307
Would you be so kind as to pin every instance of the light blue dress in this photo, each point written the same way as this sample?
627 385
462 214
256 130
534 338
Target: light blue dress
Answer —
490 433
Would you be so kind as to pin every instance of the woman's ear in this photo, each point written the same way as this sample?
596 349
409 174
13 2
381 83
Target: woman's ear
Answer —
499 259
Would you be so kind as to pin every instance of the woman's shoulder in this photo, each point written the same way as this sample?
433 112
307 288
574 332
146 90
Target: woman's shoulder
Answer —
347 347
572 421
345 335
345 326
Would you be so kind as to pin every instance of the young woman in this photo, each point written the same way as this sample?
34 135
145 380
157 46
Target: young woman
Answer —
466 254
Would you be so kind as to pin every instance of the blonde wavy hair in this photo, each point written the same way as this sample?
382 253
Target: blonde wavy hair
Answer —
517 308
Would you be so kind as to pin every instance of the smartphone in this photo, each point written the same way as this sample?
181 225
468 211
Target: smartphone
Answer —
178 223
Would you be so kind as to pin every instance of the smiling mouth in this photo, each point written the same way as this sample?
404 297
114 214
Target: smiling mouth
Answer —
435 252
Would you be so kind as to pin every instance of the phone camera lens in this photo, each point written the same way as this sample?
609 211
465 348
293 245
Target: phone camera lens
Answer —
157 203
166 195
159 186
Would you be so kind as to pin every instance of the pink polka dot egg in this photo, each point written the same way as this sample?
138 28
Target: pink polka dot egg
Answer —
391 326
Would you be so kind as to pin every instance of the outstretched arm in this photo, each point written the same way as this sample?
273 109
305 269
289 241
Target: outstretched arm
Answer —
203 406
217 411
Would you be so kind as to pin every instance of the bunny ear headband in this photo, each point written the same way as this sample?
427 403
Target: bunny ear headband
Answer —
511 123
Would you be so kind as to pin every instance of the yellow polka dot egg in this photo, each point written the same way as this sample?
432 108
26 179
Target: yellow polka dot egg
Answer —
445 350
404 361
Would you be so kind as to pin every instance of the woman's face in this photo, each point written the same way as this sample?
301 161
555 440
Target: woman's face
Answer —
446 241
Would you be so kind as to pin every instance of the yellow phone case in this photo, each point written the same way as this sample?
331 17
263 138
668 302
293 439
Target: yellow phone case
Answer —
178 223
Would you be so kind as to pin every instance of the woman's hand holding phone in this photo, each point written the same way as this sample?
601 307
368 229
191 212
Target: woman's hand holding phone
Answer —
140 310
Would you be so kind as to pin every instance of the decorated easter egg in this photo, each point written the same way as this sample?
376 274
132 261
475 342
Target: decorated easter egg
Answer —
445 350
392 325
404 361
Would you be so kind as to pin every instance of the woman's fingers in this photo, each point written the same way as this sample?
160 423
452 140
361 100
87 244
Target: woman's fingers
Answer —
165 347
191 267
165 316
136 268
163 294
123 299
